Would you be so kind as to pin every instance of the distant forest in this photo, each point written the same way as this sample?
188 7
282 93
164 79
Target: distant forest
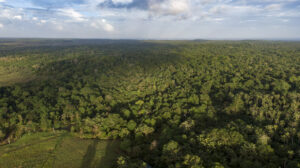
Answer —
175 104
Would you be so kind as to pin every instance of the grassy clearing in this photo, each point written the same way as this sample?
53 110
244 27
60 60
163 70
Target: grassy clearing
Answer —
58 150
10 78
28 140
15 70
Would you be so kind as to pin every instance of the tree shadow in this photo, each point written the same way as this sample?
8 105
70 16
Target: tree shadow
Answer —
110 156
102 58
89 155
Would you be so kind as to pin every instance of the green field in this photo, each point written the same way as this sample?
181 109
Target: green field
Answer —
58 150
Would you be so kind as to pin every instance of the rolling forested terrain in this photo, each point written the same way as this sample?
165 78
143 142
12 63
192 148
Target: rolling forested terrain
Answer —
177 104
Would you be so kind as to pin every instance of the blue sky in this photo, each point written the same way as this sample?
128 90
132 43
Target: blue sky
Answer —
151 19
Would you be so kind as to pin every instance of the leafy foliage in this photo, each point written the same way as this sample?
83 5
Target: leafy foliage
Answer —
171 104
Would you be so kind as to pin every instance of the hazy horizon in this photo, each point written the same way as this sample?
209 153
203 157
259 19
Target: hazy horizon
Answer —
154 39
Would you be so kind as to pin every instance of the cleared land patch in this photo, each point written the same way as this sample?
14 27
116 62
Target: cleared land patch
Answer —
58 150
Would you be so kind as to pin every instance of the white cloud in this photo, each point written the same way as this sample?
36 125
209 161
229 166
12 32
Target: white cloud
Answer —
102 24
153 19
168 7
235 10
122 1
71 13
11 13
273 7
285 20
248 21
57 26
17 17
2 0
1 25
6 13
278 0
41 22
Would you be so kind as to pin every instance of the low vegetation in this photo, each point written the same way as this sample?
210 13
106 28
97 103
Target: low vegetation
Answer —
58 150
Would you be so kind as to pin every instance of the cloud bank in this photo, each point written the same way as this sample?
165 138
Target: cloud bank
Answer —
154 19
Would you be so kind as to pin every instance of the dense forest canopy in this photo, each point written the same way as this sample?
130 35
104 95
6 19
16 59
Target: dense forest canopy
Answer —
170 104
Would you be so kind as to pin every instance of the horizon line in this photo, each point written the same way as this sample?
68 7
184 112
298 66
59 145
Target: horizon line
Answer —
159 39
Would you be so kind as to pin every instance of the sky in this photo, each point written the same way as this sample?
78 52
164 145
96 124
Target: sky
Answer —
151 19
